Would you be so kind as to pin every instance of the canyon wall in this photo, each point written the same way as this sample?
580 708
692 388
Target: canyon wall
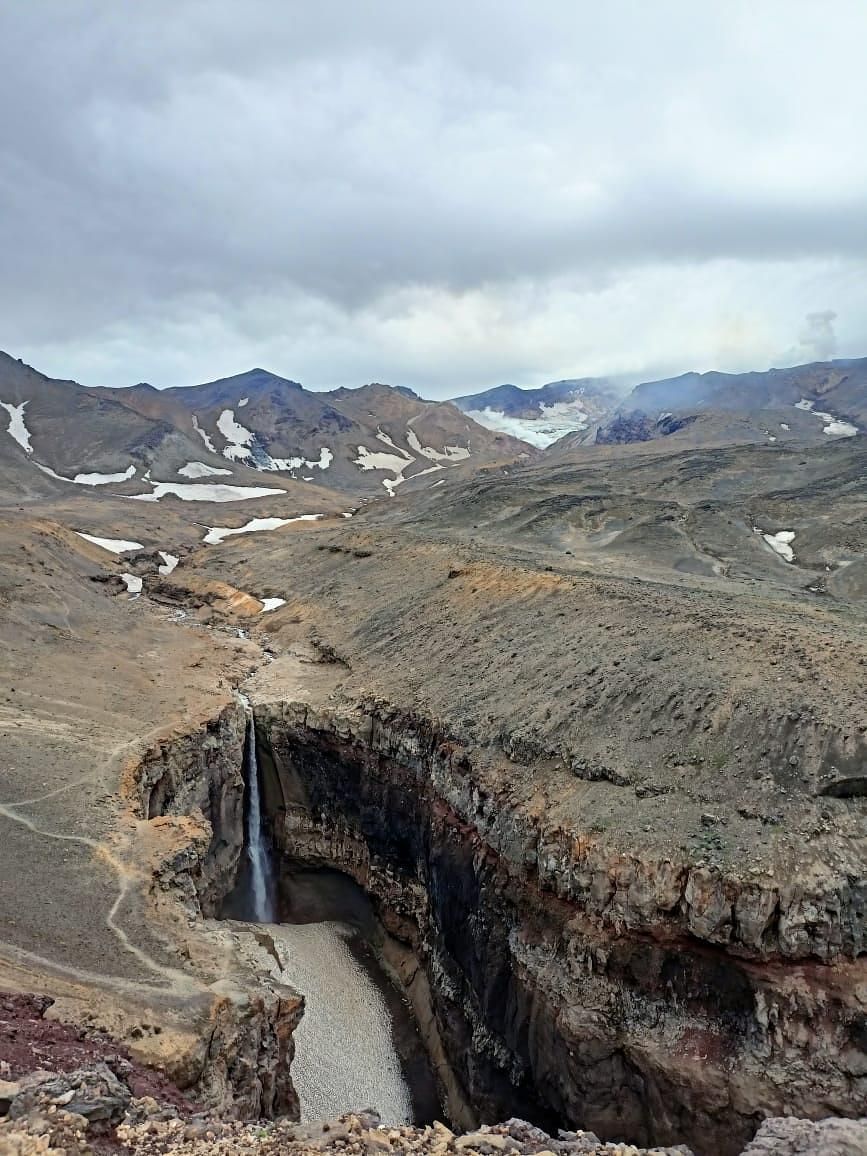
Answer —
188 793
656 1000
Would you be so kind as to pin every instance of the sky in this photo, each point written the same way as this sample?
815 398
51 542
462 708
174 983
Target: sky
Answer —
446 196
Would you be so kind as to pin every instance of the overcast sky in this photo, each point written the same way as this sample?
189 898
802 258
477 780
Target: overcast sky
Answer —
446 195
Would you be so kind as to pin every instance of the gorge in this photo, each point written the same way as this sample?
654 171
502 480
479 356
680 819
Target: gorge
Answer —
558 774
357 1043
548 981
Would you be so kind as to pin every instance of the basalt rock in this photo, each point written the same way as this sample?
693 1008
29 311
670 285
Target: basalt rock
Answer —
659 1000
200 775
190 789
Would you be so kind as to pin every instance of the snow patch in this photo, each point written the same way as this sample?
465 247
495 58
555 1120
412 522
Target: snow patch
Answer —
326 457
398 462
554 422
240 438
16 428
217 534
170 561
113 545
89 479
204 492
243 402
271 604
368 460
386 440
102 479
448 453
783 425
209 445
779 543
201 470
243 447
133 583
835 427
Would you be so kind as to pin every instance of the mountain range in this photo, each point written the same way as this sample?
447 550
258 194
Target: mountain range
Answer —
257 434
228 433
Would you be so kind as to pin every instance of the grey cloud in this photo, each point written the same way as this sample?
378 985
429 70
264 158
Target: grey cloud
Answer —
170 167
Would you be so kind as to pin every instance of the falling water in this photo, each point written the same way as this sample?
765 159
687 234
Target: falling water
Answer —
257 855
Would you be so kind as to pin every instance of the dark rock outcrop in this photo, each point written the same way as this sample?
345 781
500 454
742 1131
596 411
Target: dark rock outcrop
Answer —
655 1000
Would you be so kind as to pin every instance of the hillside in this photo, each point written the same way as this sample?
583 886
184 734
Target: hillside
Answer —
541 416
805 403
368 440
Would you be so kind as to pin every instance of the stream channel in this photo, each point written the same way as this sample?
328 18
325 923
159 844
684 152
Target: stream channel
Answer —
358 1045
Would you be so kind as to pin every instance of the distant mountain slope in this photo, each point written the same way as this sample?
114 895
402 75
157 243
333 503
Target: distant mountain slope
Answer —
229 433
74 432
541 416
811 402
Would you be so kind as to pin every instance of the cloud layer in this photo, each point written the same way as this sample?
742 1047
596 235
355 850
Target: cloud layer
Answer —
443 196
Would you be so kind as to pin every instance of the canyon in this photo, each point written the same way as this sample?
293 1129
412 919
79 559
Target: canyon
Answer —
559 770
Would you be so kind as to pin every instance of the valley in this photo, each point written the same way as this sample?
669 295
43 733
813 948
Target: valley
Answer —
559 755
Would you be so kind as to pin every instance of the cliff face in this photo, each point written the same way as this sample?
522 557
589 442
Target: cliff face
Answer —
200 775
189 792
654 999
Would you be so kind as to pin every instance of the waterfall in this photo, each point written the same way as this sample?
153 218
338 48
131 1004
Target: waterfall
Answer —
261 881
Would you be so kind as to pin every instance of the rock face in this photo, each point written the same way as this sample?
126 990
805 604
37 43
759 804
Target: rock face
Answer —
788 1136
200 775
190 789
646 999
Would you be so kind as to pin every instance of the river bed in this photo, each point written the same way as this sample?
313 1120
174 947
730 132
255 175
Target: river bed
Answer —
357 1045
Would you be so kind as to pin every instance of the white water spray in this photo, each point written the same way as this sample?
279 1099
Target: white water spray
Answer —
257 856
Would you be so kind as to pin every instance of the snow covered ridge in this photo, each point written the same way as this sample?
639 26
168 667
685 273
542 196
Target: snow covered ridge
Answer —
834 426
554 422
17 429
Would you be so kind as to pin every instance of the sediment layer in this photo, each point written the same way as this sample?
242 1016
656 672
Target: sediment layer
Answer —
654 1000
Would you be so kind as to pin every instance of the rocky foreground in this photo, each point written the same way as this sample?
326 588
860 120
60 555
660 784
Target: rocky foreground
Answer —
92 1110
72 1091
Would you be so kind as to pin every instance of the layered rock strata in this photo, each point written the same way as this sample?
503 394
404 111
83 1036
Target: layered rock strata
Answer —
660 1000
188 792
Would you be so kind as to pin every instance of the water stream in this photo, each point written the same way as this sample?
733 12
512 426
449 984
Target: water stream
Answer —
358 1045
261 876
